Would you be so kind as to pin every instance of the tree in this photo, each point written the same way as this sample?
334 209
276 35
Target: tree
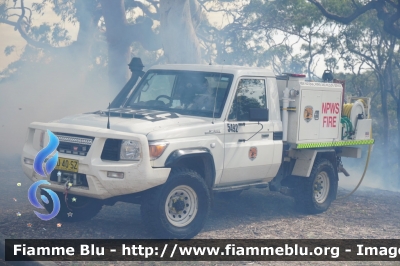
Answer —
120 35
291 36
388 11
366 40
179 20
371 38
52 43
122 27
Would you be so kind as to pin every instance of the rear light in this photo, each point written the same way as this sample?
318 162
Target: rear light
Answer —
297 75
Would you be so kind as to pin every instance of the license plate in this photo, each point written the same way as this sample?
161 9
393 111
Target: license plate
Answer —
67 165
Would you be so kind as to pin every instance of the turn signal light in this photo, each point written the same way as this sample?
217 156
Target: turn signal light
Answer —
156 149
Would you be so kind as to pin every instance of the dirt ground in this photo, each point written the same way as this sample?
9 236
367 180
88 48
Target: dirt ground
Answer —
257 213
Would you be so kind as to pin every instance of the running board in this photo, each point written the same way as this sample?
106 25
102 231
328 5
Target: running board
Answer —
241 187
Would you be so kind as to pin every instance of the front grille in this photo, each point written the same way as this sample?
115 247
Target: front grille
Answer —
74 144
111 150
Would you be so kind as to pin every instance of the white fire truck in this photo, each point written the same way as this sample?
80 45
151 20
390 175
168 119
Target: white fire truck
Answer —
187 132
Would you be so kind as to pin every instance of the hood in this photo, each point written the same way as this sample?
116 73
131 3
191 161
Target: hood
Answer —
133 121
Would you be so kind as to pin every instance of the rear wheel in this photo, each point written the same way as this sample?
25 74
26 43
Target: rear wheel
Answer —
74 208
316 193
179 208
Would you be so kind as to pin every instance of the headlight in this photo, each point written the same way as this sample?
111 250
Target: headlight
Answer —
157 148
131 150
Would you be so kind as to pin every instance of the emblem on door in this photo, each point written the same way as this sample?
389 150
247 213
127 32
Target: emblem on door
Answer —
253 153
308 113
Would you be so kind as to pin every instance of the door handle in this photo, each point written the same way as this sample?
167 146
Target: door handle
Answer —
264 136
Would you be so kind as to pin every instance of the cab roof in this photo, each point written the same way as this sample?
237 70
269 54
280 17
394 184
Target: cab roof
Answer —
229 69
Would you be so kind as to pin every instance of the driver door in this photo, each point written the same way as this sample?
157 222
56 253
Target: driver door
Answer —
248 145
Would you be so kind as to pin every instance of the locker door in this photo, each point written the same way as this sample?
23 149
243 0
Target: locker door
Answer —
309 118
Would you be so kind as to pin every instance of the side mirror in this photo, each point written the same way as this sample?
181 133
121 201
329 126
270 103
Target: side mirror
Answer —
258 114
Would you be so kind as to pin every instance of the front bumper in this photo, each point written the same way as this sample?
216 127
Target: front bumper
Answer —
138 176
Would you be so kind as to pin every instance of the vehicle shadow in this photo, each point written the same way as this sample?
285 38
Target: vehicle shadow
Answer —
256 205
253 205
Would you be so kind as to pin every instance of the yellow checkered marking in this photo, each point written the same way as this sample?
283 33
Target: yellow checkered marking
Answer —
335 144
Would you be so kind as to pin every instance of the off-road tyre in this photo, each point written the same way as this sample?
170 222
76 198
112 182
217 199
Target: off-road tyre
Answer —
315 194
179 208
82 208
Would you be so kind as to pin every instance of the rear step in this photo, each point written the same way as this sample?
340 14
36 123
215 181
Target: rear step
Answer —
342 170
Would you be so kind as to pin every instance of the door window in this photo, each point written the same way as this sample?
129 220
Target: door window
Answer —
249 94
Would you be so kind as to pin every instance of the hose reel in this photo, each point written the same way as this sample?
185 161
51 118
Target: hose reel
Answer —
352 112
350 115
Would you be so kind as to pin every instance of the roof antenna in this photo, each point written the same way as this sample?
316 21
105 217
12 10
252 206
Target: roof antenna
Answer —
108 121
216 93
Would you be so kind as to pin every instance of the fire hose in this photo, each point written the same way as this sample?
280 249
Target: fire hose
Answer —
346 112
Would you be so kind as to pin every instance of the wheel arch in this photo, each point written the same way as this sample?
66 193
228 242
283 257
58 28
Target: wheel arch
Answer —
305 158
198 159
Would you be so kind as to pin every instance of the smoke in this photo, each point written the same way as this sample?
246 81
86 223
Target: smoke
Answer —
45 91
375 177
42 92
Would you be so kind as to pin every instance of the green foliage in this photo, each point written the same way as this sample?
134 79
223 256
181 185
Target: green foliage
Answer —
287 35
9 49
68 10
2 9
291 36
342 7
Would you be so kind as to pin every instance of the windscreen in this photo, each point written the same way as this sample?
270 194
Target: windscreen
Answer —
185 92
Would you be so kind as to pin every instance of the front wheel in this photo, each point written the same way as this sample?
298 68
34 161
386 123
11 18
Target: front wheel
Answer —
316 193
179 208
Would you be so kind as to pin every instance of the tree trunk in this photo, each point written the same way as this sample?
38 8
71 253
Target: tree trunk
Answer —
385 114
118 42
88 18
179 38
